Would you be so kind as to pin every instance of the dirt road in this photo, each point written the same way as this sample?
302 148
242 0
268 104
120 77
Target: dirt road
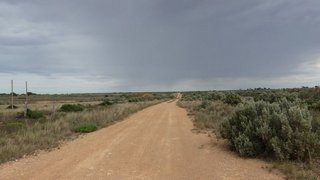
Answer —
156 143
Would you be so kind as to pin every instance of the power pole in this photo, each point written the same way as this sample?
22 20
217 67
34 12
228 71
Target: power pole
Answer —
53 108
12 94
26 103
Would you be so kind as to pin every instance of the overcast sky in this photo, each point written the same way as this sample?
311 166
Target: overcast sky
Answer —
64 46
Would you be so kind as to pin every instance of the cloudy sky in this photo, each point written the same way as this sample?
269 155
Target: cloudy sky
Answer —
61 46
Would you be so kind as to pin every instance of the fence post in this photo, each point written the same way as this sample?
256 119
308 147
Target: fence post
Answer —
12 94
26 102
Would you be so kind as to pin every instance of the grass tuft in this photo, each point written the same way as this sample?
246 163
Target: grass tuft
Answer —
86 128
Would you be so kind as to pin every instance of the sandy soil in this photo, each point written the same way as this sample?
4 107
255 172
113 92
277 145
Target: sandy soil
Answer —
156 143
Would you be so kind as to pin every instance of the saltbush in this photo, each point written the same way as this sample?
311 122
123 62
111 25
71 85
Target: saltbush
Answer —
275 96
31 114
283 131
71 108
34 114
232 98
86 128
314 106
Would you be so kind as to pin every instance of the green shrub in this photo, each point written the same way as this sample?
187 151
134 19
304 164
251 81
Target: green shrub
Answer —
280 130
232 98
216 96
204 105
34 114
315 106
275 96
31 114
71 108
86 128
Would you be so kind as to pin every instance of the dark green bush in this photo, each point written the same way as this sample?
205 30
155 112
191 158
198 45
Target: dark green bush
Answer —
281 130
71 108
232 98
86 128
31 114
34 114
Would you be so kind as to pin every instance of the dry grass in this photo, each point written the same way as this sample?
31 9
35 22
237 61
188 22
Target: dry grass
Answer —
208 115
49 132
297 170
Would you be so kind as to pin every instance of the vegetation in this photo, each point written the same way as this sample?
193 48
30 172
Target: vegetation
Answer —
281 130
27 137
114 98
232 99
106 103
71 108
31 114
86 128
281 125
12 127
207 115
45 128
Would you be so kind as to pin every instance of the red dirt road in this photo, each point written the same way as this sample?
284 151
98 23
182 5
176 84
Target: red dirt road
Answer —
156 143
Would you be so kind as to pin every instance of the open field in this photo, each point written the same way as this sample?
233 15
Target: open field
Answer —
51 103
156 143
47 126
160 142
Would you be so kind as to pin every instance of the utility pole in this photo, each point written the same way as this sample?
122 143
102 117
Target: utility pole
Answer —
53 108
12 94
26 103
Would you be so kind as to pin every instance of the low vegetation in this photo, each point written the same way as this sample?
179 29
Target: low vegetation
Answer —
44 129
207 115
282 130
282 126
86 128
31 114
71 108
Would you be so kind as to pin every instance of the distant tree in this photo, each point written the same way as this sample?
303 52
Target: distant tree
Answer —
14 94
31 93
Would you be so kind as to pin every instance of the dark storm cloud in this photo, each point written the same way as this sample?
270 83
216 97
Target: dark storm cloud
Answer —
153 43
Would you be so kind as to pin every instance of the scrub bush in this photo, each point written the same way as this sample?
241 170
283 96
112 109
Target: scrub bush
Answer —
86 128
71 108
31 114
283 131
232 98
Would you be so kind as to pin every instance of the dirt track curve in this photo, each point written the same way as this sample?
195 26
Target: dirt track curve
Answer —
156 143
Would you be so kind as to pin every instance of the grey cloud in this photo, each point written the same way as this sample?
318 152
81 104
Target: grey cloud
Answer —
22 41
165 42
